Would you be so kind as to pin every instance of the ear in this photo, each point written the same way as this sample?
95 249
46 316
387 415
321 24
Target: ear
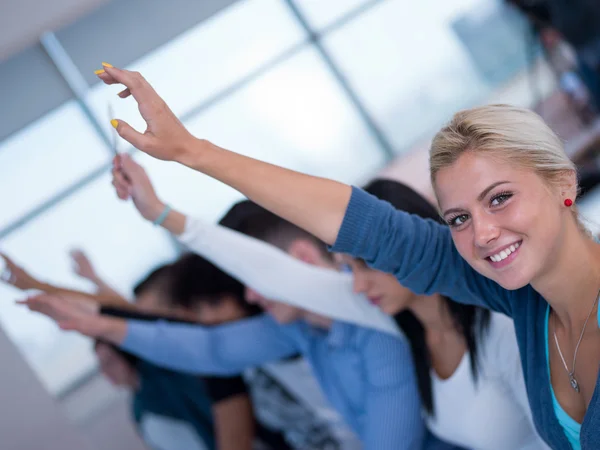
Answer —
569 185
306 250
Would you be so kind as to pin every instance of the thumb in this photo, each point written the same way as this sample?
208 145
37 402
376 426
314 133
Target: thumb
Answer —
135 138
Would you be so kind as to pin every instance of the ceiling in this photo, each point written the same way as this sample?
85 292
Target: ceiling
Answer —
23 21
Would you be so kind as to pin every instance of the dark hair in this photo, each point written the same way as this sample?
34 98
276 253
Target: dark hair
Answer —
471 321
255 221
195 280
157 279
192 279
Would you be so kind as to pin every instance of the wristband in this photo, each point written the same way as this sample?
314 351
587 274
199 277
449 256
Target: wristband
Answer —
163 215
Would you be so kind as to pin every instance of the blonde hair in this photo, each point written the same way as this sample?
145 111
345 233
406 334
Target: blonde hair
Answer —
515 135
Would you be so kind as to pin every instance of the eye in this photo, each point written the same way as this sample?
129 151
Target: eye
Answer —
458 220
500 198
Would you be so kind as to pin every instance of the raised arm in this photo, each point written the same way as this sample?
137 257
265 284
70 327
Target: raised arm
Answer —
315 204
421 256
83 267
262 266
220 350
20 278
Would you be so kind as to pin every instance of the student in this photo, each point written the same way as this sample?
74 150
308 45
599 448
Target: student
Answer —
514 244
463 362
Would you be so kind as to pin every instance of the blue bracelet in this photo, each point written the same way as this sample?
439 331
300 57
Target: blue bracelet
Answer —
163 215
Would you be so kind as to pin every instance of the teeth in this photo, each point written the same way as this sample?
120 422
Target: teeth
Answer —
504 253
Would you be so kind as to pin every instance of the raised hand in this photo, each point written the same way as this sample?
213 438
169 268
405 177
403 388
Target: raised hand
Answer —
17 276
69 312
82 265
131 181
165 137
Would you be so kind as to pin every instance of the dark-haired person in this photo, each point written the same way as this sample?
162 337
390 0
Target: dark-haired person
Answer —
465 357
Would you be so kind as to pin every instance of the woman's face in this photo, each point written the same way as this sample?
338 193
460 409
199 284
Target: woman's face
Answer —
382 289
506 222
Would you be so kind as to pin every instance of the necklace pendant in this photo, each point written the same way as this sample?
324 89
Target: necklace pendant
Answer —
574 383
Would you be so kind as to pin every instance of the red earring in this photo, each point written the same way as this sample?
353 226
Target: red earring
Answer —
568 202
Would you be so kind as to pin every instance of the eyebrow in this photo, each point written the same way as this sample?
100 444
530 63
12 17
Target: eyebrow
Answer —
480 197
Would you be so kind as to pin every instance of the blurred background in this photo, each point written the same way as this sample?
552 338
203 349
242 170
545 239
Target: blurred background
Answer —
347 89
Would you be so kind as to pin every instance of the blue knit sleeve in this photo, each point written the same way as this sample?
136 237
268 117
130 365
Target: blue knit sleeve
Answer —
419 252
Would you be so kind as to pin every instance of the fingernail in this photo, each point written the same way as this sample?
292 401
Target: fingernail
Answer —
114 123
98 72
105 64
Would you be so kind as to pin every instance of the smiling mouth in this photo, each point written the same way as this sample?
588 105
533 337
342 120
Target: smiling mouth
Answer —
505 256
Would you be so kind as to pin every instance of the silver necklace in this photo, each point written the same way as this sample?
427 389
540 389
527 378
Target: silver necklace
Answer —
572 379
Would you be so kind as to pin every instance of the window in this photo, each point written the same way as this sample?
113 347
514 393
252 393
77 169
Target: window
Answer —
45 158
208 58
321 13
407 65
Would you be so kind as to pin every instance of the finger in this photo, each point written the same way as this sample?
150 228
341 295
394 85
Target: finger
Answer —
130 166
124 93
135 138
107 78
122 192
120 178
138 87
9 262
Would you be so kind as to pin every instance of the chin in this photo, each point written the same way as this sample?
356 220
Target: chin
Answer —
512 282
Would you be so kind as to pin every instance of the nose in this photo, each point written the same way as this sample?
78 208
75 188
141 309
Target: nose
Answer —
485 230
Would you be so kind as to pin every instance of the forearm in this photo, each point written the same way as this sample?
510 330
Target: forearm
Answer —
315 204
234 423
220 350
275 274
108 299
105 290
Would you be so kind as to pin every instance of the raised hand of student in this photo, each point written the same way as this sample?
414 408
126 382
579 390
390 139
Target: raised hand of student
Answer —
82 266
165 136
131 181
17 276
316 204
61 306
70 313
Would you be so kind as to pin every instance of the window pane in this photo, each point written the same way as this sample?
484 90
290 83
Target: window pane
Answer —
322 13
209 58
44 158
295 115
408 65
122 246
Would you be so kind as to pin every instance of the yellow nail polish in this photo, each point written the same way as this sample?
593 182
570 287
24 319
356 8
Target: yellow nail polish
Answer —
114 123
98 72
105 64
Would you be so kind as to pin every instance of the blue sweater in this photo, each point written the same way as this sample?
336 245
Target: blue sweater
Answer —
422 256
